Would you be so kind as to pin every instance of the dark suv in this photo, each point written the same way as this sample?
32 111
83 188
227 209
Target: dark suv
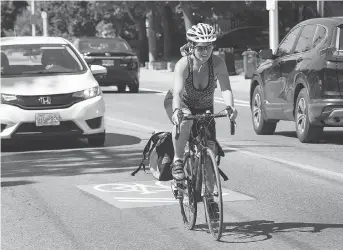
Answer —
117 56
302 81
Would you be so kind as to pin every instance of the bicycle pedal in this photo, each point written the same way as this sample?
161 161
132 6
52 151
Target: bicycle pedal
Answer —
175 193
216 194
181 185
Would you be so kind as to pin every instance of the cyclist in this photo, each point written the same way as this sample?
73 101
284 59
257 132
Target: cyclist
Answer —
195 79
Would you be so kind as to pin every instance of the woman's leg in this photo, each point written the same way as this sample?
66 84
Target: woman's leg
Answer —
180 143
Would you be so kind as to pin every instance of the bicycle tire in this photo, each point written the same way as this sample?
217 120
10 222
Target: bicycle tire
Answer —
190 220
215 232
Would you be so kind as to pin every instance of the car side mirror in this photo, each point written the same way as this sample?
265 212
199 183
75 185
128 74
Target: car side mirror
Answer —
98 70
266 54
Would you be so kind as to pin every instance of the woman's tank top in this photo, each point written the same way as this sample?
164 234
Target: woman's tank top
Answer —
195 98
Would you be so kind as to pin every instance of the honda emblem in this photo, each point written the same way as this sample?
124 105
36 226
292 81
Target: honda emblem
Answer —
45 100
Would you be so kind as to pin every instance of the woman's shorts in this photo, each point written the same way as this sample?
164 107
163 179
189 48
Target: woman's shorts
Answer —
168 105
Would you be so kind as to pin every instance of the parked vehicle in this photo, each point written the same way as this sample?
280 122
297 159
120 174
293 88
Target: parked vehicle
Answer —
302 81
249 37
48 90
117 56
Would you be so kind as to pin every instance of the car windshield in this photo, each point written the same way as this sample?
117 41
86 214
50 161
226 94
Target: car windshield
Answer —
104 46
39 59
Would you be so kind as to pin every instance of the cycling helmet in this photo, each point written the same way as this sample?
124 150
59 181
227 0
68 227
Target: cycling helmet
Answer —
201 33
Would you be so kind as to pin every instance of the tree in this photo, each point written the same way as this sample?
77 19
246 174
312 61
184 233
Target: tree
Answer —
137 12
9 12
167 24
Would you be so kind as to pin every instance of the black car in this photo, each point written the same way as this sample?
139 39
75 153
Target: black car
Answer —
302 81
117 56
243 38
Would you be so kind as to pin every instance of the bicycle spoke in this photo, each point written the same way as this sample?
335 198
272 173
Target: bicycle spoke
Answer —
213 202
187 201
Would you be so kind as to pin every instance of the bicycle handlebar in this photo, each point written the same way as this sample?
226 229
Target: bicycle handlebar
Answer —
207 115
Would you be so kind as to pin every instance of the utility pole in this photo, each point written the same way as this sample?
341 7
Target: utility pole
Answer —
33 19
320 7
272 6
44 16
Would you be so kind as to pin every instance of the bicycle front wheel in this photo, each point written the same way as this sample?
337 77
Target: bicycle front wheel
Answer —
212 195
187 201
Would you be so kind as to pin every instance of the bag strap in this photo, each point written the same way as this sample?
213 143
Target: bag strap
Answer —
145 151
223 174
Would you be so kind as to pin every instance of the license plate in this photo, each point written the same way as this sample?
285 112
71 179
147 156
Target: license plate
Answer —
108 62
47 119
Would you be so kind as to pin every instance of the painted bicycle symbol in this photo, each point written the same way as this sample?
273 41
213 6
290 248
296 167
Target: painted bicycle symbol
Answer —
135 187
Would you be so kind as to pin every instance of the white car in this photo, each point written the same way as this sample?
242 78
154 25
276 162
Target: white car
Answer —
48 90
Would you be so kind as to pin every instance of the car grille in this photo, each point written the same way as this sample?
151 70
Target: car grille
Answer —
31 128
59 101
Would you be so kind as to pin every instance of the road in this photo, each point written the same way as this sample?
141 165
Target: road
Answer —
281 194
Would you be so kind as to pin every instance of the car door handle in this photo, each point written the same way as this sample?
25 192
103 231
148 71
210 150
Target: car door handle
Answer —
299 59
280 63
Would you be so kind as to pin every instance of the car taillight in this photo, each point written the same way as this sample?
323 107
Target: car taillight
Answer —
132 65
331 86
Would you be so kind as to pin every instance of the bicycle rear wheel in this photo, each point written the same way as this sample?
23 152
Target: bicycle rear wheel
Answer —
187 201
212 196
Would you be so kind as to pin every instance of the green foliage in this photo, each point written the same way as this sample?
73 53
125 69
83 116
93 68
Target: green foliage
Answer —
9 12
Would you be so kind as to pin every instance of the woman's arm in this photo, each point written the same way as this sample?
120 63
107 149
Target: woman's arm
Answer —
178 85
222 76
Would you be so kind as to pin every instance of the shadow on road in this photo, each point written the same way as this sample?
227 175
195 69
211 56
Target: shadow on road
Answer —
260 230
72 163
121 153
328 137
15 183
112 140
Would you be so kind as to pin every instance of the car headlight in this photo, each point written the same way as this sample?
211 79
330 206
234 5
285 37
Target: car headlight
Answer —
5 98
88 93
131 57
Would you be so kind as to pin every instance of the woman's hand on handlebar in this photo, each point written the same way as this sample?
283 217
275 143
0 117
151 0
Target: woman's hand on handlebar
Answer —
177 119
231 112
177 116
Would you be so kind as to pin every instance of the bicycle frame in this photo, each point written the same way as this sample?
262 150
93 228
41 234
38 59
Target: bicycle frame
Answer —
200 144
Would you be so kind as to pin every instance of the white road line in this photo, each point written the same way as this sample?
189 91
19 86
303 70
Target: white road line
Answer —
150 201
133 124
217 99
144 198
327 173
4 154
236 104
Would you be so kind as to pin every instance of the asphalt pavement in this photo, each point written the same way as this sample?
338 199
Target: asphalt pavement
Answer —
62 194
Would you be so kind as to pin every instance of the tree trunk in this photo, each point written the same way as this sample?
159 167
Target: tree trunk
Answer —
142 33
167 19
187 15
143 41
151 30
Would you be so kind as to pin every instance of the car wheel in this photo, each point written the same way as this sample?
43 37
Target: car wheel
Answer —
121 88
134 88
97 140
261 126
306 131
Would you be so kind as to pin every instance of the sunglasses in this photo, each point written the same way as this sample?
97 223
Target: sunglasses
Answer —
206 47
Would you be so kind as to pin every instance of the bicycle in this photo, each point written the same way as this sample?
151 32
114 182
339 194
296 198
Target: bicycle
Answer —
196 184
